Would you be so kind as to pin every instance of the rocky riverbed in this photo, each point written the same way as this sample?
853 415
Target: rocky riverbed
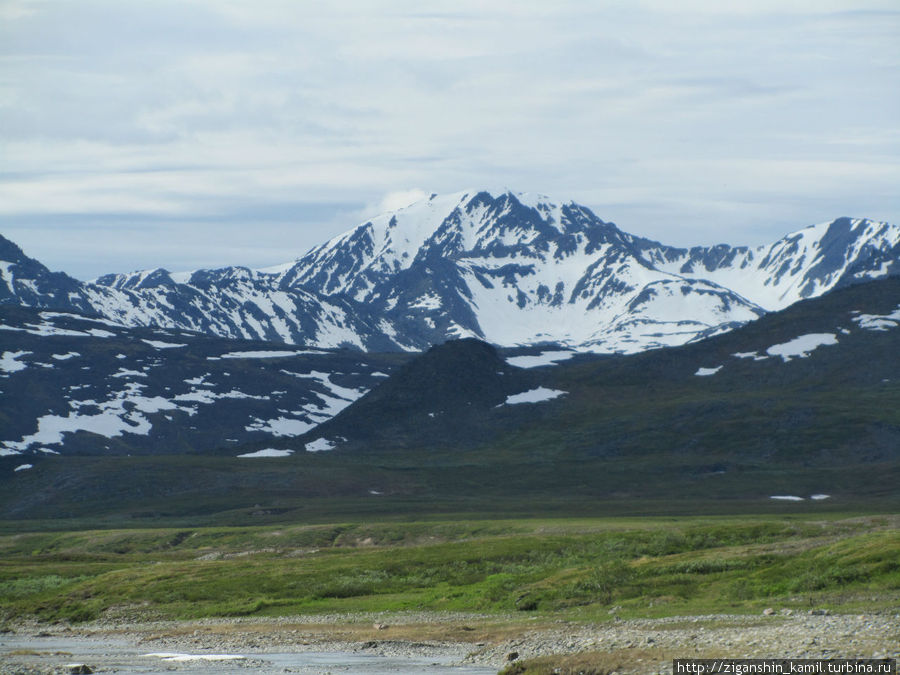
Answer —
432 642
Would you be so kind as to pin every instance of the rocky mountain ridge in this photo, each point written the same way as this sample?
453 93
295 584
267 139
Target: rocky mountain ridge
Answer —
513 269
77 385
798 405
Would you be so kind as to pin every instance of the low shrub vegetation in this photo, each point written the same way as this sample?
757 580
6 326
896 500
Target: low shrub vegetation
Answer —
577 568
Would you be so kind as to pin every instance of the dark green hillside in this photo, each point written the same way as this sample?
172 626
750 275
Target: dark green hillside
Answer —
840 406
837 407
440 400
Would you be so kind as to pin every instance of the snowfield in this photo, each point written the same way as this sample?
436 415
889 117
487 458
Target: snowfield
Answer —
260 355
159 344
879 321
281 426
9 362
550 358
320 445
268 452
538 395
801 347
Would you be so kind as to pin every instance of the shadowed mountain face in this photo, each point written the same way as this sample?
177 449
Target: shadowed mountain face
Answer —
437 400
510 269
801 402
73 384
27 282
814 385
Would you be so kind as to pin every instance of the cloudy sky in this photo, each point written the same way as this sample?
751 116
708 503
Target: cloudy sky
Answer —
197 133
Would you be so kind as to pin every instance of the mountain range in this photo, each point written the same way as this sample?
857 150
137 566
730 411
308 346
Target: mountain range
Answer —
81 385
100 420
511 269
468 352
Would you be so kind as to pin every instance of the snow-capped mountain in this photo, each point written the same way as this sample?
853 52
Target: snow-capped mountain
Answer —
231 302
801 265
25 281
511 269
236 302
520 269
72 384
800 402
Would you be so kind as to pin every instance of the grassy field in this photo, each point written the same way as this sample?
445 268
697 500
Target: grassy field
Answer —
578 569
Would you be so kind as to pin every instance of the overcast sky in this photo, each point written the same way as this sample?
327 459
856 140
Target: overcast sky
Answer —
198 133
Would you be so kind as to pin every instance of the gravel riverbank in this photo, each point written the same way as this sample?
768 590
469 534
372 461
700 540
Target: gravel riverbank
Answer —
640 645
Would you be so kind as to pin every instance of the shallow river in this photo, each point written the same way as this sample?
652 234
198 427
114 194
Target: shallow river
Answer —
123 657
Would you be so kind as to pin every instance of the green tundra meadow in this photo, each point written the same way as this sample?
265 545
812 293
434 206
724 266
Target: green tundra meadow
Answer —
581 569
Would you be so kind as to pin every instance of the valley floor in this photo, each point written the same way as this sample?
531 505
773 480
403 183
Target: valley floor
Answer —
533 596
476 641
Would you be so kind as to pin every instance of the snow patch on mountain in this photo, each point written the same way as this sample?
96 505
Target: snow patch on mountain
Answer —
159 344
802 346
268 452
260 355
124 412
206 397
9 361
125 372
281 426
537 395
329 405
548 358
796 498
320 445
879 322
6 274
428 301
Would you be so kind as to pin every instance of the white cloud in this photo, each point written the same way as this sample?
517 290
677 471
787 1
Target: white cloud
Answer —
12 10
400 199
685 122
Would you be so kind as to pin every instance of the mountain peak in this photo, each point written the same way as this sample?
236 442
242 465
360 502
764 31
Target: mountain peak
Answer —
151 278
25 281
10 252
510 268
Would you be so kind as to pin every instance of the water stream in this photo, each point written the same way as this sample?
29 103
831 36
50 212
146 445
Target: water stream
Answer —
121 656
